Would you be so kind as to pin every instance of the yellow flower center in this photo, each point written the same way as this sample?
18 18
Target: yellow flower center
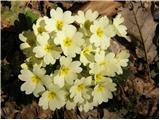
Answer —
64 70
59 24
80 87
67 42
36 79
40 30
99 32
48 48
51 95
86 51
98 77
100 88
103 63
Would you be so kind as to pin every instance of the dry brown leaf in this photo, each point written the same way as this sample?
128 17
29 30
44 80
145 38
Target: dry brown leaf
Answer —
70 114
34 111
116 47
9 110
66 4
92 114
140 24
146 88
145 93
110 115
108 8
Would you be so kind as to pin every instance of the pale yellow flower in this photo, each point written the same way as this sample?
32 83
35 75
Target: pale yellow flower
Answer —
39 27
120 29
67 72
58 20
122 60
104 63
99 30
54 98
47 50
103 91
70 40
29 41
80 90
33 80
86 56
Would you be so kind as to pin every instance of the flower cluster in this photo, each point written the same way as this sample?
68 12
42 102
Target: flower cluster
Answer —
69 62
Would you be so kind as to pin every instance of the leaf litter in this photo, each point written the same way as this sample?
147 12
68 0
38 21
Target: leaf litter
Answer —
136 97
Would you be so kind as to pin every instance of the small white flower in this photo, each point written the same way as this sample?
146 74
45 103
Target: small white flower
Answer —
47 49
104 63
33 80
59 19
99 30
29 41
86 106
39 27
120 29
122 61
103 91
80 90
67 71
54 98
70 40
86 56
99 77
70 104
86 19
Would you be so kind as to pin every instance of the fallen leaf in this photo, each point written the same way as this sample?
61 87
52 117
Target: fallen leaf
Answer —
33 111
9 110
67 4
70 114
92 114
110 115
116 47
108 8
140 24
146 88
144 94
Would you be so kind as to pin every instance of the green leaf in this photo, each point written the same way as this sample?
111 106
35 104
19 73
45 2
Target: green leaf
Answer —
30 16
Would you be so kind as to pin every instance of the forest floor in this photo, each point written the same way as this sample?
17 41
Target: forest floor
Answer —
138 94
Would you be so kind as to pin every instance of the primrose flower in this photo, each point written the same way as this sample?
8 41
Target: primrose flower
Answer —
69 61
86 106
99 77
80 90
70 40
70 104
54 98
67 71
59 19
104 63
33 80
29 41
120 29
86 56
121 61
86 19
39 27
103 91
99 30
47 49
